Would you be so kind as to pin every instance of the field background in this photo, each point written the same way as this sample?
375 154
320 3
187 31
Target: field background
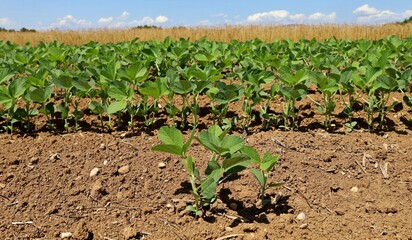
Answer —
224 33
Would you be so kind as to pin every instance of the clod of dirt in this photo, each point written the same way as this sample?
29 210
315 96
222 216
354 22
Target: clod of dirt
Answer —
65 235
81 231
94 172
354 189
34 160
161 165
124 169
102 146
97 189
301 216
130 233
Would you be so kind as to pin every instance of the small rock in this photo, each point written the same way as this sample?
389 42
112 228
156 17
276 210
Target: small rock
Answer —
354 189
161 165
303 226
81 231
233 206
94 172
105 162
34 160
2 185
102 146
124 169
130 233
65 235
301 216
54 157
97 189
385 146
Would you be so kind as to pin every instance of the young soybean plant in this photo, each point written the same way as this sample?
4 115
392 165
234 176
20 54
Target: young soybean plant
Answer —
229 156
265 164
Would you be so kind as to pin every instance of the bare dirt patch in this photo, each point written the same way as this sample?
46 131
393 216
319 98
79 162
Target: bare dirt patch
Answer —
335 179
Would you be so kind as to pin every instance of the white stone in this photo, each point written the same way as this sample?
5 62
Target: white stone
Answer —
161 165
94 172
354 189
65 235
301 216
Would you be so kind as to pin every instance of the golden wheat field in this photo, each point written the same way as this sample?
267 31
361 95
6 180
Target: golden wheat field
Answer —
223 33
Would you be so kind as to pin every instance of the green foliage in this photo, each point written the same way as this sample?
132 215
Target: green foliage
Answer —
229 156
133 80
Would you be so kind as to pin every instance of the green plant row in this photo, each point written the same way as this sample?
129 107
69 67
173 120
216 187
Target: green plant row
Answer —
130 80
229 155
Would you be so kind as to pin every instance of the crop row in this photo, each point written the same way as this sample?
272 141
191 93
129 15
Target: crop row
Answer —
130 79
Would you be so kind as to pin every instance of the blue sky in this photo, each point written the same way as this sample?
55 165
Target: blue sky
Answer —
86 14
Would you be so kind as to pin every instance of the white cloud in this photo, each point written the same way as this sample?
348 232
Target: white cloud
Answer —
368 14
284 17
6 22
70 22
366 10
318 16
161 19
124 15
122 21
105 21
272 15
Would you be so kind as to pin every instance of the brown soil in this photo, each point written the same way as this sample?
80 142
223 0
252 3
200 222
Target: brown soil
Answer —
46 191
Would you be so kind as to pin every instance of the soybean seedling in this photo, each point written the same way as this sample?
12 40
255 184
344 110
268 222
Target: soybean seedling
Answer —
265 164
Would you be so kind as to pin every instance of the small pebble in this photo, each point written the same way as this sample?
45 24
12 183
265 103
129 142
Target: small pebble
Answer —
303 226
105 162
354 189
161 165
94 172
65 235
102 146
2 185
124 169
301 216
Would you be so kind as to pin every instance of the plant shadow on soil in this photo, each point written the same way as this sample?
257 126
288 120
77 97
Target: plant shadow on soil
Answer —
252 213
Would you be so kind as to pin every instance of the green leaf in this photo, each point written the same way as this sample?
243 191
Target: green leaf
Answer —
168 148
259 176
117 106
201 57
252 153
171 136
64 82
268 162
208 188
17 87
81 84
211 166
190 166
40 95
236 163
5 75
407 100
233 143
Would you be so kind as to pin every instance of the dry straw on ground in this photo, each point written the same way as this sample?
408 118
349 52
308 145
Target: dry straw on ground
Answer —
224 33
